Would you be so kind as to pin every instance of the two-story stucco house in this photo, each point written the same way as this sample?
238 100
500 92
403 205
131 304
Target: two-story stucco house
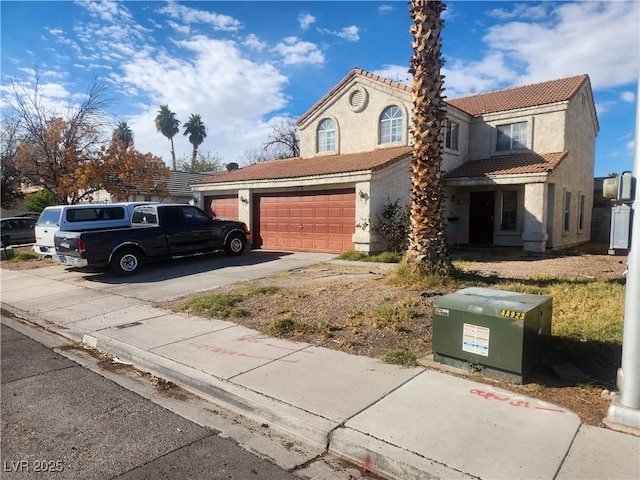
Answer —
517 169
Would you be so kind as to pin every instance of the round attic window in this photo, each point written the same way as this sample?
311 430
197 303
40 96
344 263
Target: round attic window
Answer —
358 99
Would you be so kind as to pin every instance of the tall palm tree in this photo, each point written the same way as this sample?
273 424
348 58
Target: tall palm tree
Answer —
168 125
197 132
427 238
123 133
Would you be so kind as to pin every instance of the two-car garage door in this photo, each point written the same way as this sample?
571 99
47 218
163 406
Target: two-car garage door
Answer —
309 221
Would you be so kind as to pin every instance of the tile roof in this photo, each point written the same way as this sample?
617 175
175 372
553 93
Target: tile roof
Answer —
522 163
178 183
497 101
520 97
309 167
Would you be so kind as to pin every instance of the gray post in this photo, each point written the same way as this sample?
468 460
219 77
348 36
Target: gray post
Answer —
625 408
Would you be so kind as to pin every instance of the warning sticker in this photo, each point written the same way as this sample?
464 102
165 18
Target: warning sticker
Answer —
475 339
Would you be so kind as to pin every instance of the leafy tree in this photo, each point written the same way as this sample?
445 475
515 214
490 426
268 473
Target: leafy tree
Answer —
67 155
427 240
123 133
284 140
54 147
120 171
204 163
168 125
197 132
38 201
10 181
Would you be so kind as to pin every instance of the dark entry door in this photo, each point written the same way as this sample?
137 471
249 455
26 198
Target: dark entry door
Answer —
481 212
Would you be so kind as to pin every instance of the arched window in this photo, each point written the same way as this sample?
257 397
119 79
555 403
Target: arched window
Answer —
390 125
326 136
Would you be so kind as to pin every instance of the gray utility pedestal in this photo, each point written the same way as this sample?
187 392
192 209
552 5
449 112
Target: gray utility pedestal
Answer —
505 333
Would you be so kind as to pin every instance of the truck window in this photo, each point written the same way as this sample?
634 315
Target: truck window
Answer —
193 216
93 214
50 216
173 215
144 215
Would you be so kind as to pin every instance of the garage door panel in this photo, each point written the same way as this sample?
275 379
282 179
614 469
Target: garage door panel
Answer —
224 206
327 220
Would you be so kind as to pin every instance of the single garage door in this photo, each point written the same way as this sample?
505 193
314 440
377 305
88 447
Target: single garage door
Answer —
222 206
309 221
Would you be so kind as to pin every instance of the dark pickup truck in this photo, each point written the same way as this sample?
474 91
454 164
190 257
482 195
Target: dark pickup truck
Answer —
157 231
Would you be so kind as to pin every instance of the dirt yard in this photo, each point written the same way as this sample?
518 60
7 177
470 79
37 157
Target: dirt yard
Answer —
350 306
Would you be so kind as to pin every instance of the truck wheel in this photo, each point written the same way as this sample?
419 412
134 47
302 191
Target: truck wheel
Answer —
235 244
126 261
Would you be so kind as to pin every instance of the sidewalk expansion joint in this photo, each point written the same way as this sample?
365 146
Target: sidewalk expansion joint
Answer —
274 360
566 454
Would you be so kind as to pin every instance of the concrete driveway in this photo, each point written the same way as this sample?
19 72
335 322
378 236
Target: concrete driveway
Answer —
170 279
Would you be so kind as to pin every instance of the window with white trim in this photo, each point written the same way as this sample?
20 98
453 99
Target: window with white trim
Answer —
512 136
390 129
566 209
509 216
326 136
451 135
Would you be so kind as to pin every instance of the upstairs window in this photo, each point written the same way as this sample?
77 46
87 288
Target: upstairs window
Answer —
451 135
512 136
326 136
390 125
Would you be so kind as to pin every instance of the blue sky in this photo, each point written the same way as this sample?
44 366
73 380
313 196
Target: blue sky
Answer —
241 64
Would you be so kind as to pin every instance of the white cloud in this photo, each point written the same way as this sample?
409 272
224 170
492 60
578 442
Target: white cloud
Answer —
596 38
468 77
397 73
297 52
306 20
628 97
231 93
190 15
520 10
254 43
106 10
348 33
384 9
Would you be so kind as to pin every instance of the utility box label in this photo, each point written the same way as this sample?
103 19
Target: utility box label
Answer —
475 339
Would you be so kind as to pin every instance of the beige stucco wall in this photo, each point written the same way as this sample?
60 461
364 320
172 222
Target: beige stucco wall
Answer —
545 130
356 126
575 173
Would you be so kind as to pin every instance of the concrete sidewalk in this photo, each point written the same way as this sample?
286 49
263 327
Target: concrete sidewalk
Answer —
406 423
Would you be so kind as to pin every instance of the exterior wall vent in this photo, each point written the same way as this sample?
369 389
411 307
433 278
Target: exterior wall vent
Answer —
358 99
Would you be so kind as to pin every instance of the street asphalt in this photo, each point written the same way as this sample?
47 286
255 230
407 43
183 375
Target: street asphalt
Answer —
405 423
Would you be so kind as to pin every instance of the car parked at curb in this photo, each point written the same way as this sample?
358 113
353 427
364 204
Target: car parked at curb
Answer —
17 231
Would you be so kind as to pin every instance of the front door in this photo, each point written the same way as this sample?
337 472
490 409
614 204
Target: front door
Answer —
481 213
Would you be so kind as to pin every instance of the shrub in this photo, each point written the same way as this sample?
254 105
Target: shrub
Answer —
393 225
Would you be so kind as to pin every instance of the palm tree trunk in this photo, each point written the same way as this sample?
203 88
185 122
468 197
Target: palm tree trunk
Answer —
173 156
428 237
193 157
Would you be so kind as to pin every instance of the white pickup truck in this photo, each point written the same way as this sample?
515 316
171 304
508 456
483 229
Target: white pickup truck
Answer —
77 218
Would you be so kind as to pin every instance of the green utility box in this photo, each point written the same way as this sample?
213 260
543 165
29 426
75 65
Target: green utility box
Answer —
505 333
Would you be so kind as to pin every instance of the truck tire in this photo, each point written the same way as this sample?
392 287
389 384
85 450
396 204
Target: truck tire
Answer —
235 244
126 261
